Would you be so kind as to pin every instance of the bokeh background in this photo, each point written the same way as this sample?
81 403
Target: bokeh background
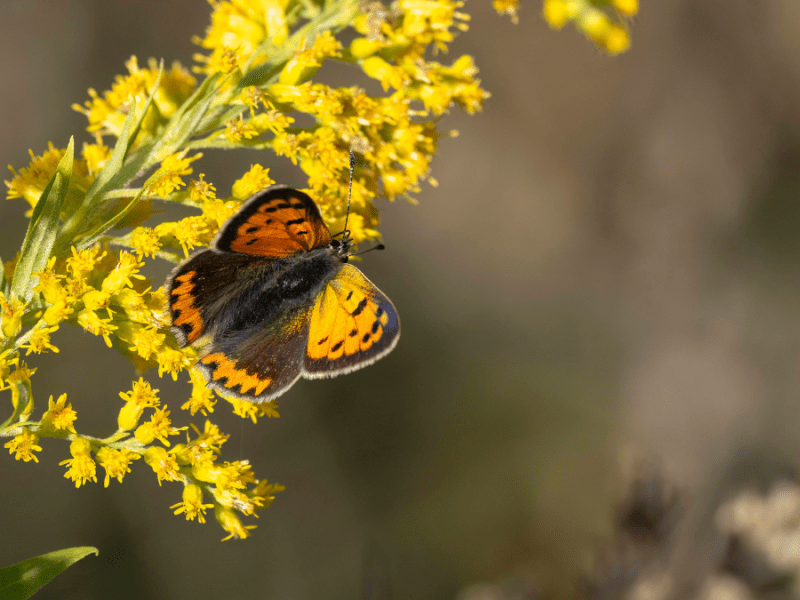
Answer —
603 288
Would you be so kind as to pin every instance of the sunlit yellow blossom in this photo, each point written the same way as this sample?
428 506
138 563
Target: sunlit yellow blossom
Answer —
23 446
11 312
628 7
264 493
237 129
146 341
189 233
202 398
507 7
40 341
30 182
157 428
81 466
253 96
95 156
93 323
115 462
59 415
141 394
145 242
244 409
222 60
135 305
192 454
83 261
140 397
272 120
231 523
173 361
255 180
199 189
211 437
163 464
192 505
168 178
49 285
96 299
219 211
106 115
123 274
239 26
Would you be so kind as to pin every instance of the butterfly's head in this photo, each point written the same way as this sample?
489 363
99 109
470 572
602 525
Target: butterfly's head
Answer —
341 248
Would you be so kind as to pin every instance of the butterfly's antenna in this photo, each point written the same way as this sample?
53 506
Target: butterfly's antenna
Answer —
349 194
378 247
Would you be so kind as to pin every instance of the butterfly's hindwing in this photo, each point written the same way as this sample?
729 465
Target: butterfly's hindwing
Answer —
262 363
352 325
278 221
201 287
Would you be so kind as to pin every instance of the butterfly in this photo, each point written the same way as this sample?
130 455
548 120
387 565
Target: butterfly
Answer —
276 300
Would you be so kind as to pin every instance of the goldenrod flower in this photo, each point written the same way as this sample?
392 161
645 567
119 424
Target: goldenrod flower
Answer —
94 324
11 311
255 180
158 428
163 464
192 505
115 462
202 398
59 415
199 189
237 129
145 242
107 114
23 446
140 397
146 341
173 361
81 466
231 523
507 7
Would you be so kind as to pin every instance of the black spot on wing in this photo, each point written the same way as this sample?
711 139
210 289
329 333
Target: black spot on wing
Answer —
336 346
360 308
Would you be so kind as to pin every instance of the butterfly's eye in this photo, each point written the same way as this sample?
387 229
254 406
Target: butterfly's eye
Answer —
335 243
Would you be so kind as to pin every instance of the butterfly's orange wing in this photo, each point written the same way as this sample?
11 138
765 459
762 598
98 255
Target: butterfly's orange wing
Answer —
279 221
353 324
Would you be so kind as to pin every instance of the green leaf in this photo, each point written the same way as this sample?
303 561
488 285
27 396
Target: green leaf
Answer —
95 235
24 579
43 227
3 282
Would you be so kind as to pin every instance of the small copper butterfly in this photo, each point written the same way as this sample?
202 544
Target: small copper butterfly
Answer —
276 299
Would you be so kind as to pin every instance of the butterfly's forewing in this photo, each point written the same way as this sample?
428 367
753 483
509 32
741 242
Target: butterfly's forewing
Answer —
277 222
201 287
352 324
262 363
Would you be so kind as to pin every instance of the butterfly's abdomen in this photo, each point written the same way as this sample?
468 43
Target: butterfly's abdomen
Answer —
289 283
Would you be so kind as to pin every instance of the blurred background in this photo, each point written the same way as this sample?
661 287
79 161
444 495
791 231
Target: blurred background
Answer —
600 333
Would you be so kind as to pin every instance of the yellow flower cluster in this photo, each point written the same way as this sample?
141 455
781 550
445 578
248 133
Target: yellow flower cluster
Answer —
507 7
81 277
30 182
604 27
396 135
107 114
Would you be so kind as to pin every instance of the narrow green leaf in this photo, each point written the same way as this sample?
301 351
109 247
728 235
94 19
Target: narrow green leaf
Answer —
138 126
121 148
95 235
43 227
3 282
24 579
